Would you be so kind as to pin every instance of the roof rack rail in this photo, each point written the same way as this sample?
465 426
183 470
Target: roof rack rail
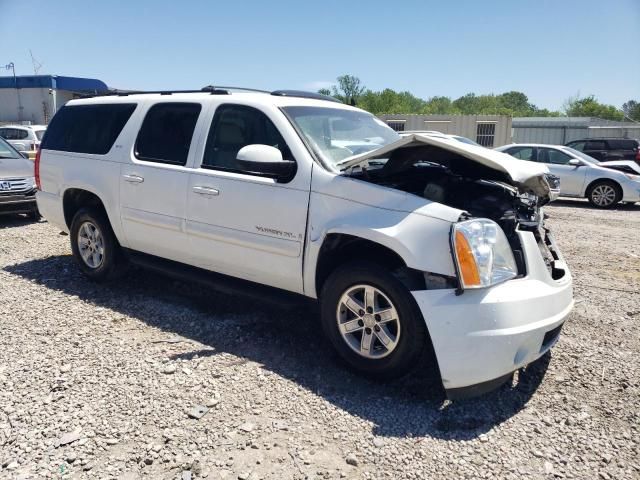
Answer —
124 93
303 94
239 88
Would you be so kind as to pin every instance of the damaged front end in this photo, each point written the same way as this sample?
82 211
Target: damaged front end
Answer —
483 183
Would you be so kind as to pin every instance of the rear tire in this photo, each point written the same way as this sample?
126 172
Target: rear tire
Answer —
95 247
604 194
357 303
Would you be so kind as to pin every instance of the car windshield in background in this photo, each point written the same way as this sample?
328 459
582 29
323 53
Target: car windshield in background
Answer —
7 151
336 134
466 140
583 156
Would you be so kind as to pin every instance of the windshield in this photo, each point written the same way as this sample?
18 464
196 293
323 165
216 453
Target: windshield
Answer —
583 156
7 151
336 134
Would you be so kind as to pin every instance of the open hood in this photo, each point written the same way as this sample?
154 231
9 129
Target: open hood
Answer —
526 176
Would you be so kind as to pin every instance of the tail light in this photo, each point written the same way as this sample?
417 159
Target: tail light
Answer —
36 170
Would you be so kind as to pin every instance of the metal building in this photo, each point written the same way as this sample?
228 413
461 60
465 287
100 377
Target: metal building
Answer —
487 130
35 98
560 130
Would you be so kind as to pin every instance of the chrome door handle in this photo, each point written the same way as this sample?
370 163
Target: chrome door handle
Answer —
133 178
205 191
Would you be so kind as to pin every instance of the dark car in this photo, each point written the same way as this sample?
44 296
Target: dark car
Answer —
605 149
17 183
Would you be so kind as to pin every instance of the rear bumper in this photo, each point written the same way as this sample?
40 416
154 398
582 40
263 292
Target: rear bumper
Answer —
50 206
482 336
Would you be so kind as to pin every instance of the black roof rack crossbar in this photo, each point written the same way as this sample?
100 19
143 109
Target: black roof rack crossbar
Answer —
303 94
240 88
124 93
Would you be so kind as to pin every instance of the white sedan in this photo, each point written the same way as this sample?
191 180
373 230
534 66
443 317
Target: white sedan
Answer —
580 175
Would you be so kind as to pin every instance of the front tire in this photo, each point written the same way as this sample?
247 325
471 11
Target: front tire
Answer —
372 321
604 194
95 247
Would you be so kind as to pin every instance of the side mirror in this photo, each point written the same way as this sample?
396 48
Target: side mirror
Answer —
265 160
575 162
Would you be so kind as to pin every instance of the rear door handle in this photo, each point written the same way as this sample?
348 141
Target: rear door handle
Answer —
206 191
133 178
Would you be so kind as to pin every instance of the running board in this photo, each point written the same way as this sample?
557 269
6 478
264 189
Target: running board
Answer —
219 282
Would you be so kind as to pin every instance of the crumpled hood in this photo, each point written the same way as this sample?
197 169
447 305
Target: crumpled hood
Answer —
527 176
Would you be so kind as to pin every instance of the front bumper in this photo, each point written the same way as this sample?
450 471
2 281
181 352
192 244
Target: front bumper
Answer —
10 204
631 191
482 336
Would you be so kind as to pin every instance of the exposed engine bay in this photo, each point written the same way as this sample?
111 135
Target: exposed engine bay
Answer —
447 177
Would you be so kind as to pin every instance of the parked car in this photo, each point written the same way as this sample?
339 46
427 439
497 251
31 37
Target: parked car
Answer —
580 175
25 138
604 149
17 184
418 244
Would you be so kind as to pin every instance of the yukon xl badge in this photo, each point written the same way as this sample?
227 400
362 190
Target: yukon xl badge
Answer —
279 233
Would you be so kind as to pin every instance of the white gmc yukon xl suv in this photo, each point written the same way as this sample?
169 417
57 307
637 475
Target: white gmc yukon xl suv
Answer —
411 245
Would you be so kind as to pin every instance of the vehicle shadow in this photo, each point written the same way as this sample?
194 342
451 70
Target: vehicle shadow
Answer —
13 221
582 203
288 342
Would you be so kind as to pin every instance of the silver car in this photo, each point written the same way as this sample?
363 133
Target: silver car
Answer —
17 182
580 175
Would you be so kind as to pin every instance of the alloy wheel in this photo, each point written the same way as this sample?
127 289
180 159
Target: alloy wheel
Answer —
603 195
91 245
368 321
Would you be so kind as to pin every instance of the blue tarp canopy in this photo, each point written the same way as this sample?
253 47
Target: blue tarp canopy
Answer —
73 84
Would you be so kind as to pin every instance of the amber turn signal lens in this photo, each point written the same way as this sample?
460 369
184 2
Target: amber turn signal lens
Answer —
466 262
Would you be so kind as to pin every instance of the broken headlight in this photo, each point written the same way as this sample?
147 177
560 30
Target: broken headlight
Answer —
482 253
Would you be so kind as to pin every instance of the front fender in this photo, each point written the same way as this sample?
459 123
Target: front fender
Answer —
421 241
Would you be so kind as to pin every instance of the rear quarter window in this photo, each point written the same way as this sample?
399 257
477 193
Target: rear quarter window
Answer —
622 144
87 128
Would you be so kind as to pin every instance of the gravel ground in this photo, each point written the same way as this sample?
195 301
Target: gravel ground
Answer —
105 381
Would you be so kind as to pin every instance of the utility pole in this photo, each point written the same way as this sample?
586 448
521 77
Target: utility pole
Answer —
11 66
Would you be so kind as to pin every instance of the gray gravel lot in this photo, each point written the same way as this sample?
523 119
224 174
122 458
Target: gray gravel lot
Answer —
104 381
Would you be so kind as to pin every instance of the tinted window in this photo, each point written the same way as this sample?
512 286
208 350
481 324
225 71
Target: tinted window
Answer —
236 126
523 153
595 145
165 135
547 155
621 144
577 145
13 133
87 128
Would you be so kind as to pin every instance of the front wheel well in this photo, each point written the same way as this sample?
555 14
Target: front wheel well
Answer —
338 249
75 198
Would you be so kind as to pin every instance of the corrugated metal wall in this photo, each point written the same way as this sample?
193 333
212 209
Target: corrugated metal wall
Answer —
558 131
463 125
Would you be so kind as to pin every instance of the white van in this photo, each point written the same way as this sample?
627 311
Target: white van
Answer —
411 245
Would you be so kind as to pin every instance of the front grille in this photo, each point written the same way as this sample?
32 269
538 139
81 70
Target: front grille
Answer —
9 186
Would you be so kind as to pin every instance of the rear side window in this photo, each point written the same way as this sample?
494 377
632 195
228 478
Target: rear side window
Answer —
13 133
596 145
165 135
523 153
87 128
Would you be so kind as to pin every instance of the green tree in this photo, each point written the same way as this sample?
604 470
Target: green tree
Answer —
349 89
325 91
590 107
632 110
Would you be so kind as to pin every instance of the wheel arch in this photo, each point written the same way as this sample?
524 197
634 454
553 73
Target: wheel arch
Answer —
602 180
338 248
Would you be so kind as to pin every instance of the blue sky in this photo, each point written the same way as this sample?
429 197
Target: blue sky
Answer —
548 49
